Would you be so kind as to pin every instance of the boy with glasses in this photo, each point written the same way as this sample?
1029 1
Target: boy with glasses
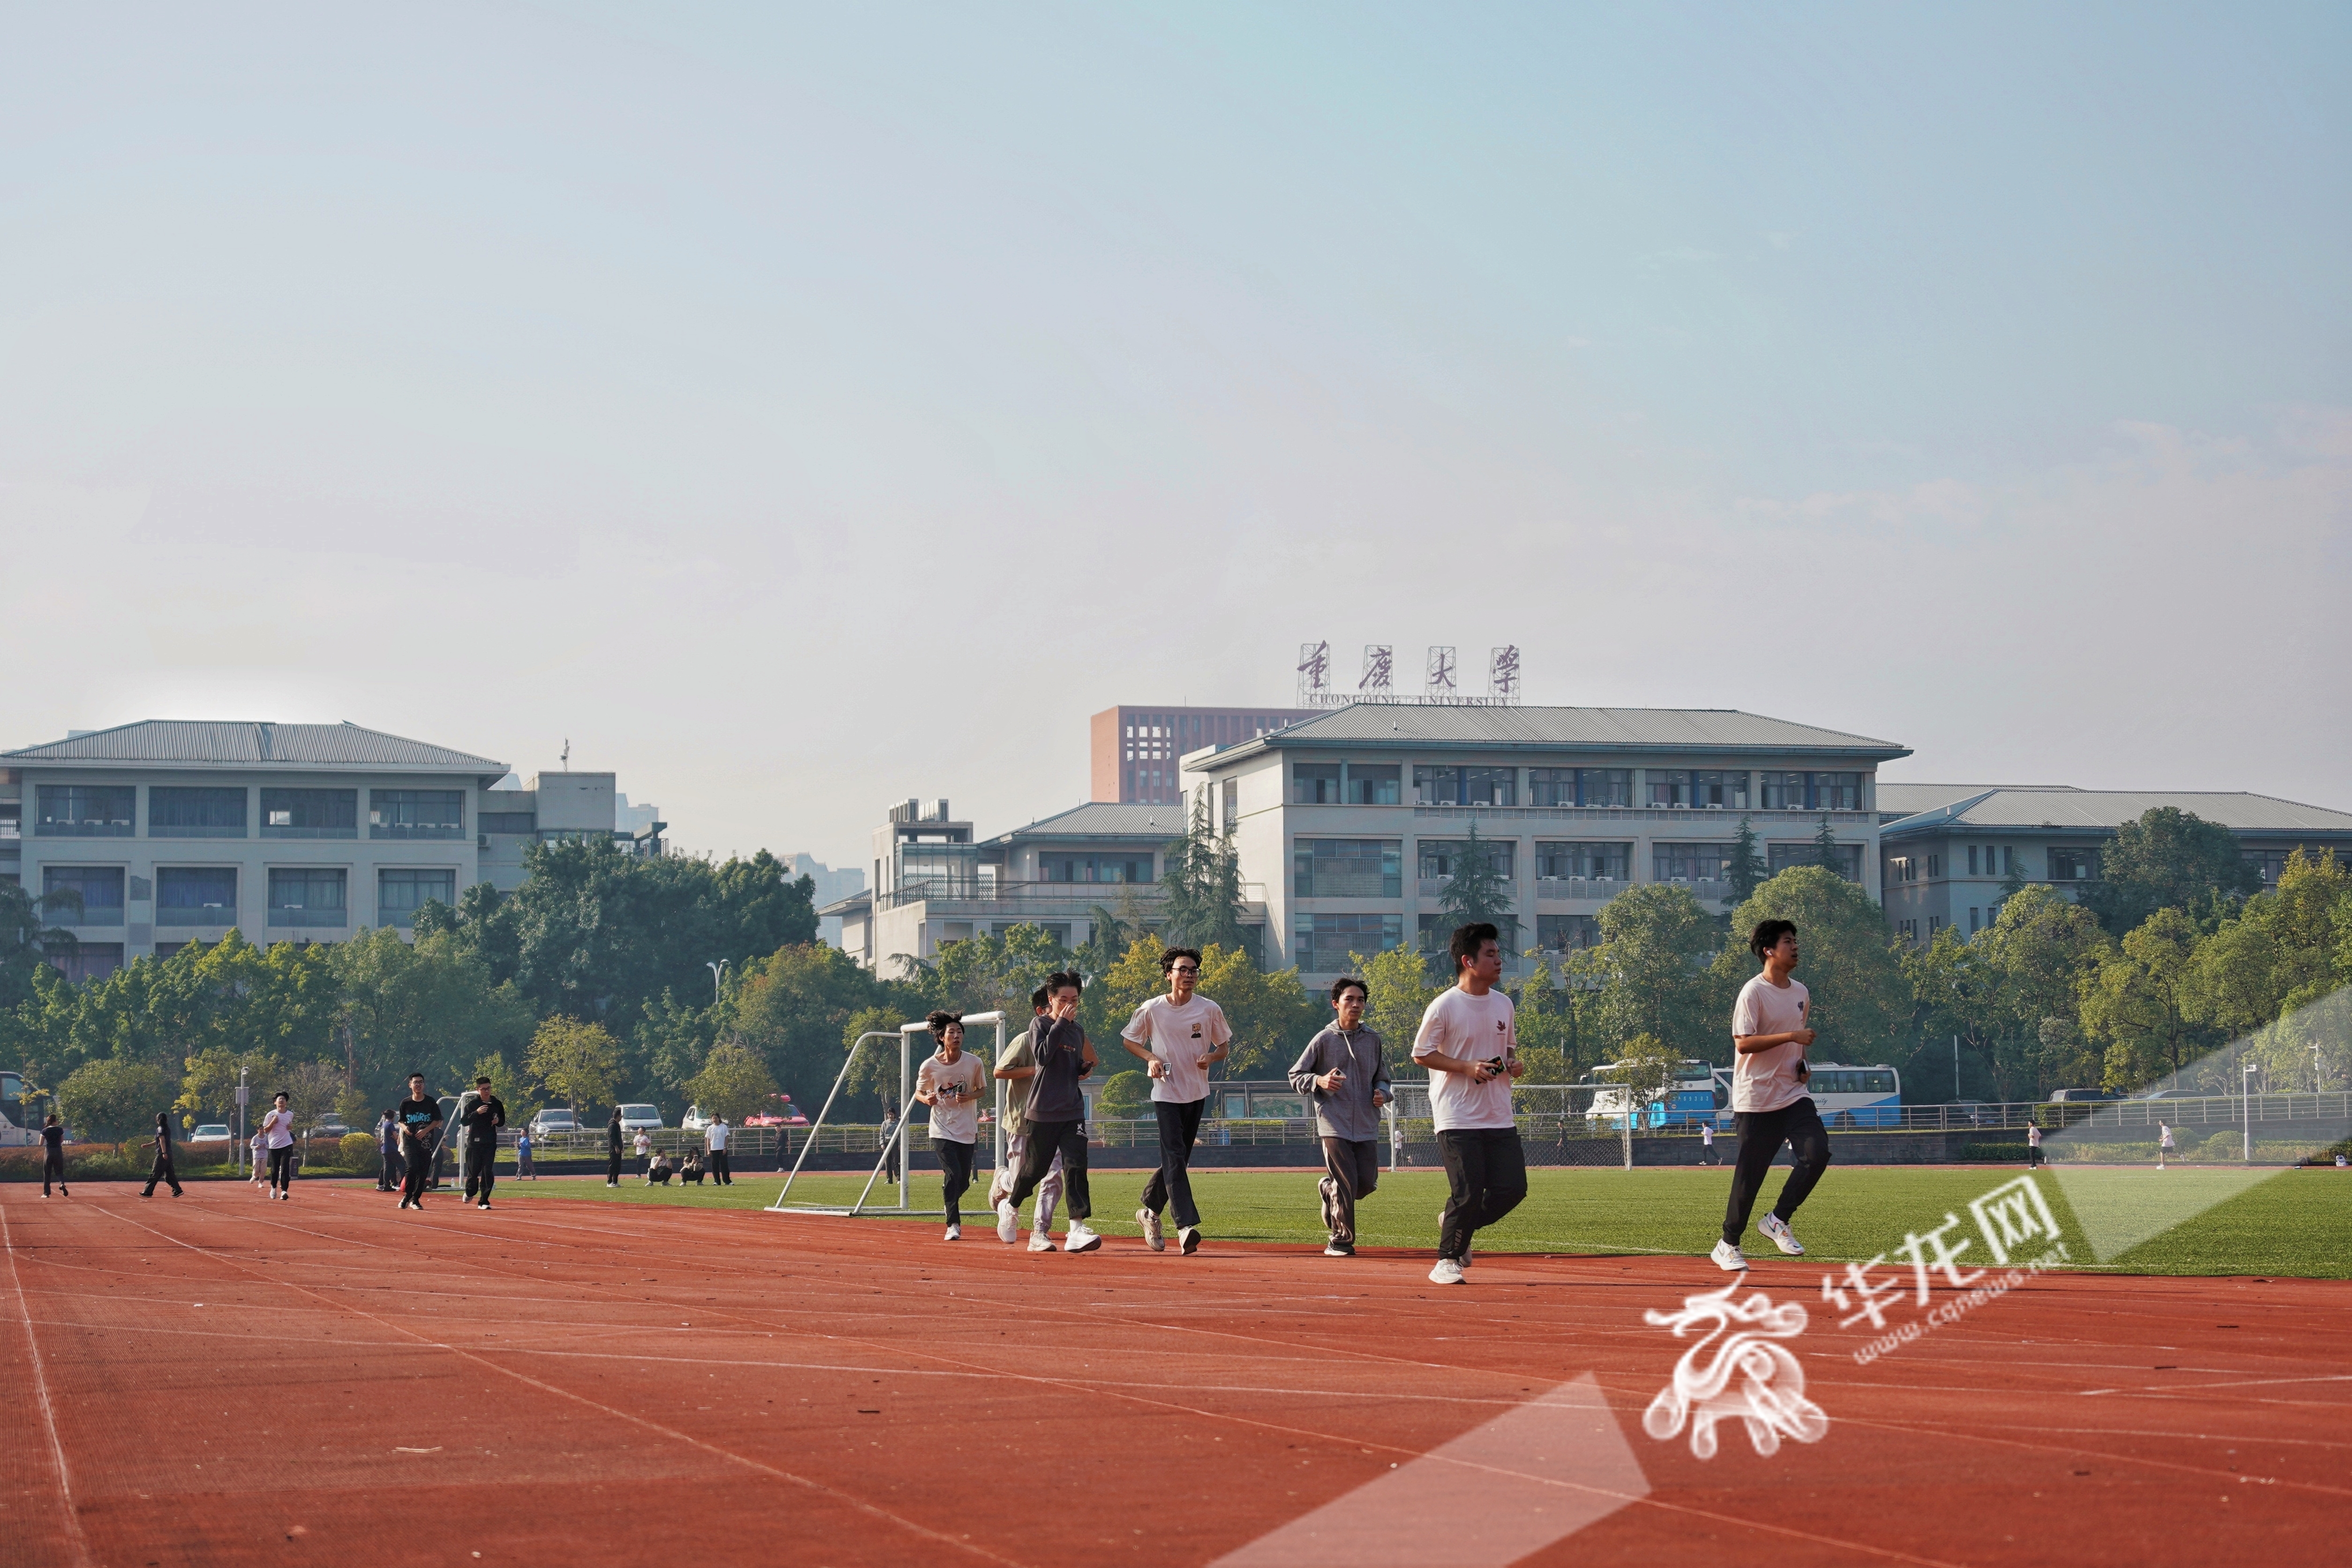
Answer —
1178 1038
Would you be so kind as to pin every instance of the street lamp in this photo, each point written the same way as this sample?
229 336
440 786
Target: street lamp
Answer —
718 971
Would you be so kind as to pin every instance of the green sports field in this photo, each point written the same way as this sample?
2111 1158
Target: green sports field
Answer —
2291 1222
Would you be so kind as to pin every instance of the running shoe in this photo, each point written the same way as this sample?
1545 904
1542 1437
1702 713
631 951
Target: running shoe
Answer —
483 1204
1339 1249
1079 1238
1008 1224
1728 1258
1776 1228
1152 1239
1041 1241
1189 1238
1447 1272
955 1233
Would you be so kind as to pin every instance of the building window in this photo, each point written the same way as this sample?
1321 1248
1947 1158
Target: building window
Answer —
1314 784
1374 783
416 814
1567 934
1437 931
85 895
1436 786
1972 859
522 822
85 811
308 896
1323 943
1122 866
90 961
1667 787
1443 856
400 894
1677 862
196 895
1604 787
12 819
1584 862
1232 792
1465 786
1833 792
2074 865
1975 925
1781 791
176 812
1847 858
310 814
1349 868
1934 867
1551 786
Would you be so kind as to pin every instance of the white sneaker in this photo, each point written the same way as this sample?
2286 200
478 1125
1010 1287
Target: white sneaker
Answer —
1774 1227
1079 1238
955 1233
1728 1257
1189 1239
1152 1239
1447 1272
1041 1241
1008 1224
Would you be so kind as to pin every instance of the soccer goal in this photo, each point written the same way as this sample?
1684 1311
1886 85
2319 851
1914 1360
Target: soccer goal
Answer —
896 1154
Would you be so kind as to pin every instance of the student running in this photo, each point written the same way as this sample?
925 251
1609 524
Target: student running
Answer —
1018 1072
420 1133
1771 1030
481 1117
278 1131
1057 1116
951 1082
1345 1069
1178 1038
1469 1042
53 1155
162 1170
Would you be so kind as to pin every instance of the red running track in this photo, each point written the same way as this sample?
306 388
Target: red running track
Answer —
217 1379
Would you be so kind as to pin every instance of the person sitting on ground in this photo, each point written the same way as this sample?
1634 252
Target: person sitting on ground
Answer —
660 1171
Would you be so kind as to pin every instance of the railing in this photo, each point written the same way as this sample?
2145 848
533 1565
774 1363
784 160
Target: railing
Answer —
403 830
318 920
93 827
1725 815
200 915
1346 885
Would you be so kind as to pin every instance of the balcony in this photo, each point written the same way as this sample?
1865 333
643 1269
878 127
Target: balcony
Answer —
310 920
196 915
1341 884
85 827
403 831
1602 888
1577 821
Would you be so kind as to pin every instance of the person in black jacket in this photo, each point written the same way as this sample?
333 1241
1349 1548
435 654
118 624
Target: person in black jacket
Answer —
613 1150
163 1171
53 1155
483 1114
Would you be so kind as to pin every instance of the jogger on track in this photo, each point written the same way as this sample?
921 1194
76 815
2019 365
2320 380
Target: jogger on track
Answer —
53 1155
1345 1069
162 1170
1179 1038
1058 1114
278 1132
951 1082
420 1133
1018 1072
1771 1030
1469 1042
481 1117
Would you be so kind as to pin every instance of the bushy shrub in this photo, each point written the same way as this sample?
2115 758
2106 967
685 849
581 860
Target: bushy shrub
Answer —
357 1150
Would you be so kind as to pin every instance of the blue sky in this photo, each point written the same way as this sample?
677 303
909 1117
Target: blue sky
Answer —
805 407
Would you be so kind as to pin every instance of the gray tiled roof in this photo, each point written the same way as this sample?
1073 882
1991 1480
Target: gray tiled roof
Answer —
1900 797
1103 819
2095 810
1715 730
219 743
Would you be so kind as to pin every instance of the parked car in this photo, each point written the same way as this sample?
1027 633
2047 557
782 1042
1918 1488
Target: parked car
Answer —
641 1119
210 1132
331 1127
2078 1096
786 1114
694 1121
548 1121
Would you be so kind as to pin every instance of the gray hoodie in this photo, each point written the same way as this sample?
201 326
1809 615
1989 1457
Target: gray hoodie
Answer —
1350 1113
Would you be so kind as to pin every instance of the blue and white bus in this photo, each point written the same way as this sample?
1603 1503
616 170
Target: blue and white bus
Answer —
1847 1097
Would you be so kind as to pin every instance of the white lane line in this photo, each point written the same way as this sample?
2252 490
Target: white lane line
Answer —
1538 1473
41 1398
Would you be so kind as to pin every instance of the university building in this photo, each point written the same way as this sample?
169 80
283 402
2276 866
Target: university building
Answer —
150 836
1134 751
1353 820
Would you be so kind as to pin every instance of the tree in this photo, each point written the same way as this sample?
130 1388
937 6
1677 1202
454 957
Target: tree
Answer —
791 1007
874 1064
1399 982
1745 871
580 1063
208 1084
1111 998
1126 1096
734 1082
2167 860
114 1098
1825 848
1479 891
2036 954
1201 874
2135 1003
429 1006
311 1091
1271 1015
1650 971
986 973
1853 963
672 1040
28 939
2286 951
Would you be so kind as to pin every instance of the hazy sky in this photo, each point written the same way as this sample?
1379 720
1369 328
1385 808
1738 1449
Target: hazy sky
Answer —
803 407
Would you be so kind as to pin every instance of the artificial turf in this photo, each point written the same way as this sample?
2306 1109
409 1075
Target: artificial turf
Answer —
2298 1222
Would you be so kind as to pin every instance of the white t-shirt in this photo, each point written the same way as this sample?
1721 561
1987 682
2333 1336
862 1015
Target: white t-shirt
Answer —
714 1137
1180 1037
280 1125
1472 1028
2165 1135
955 1115
643 1142
1766 1080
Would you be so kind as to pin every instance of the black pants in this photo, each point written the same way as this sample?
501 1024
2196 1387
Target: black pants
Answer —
613 1169
482 1169
53 1168
1351 1170
2032 1155
1170 1186
282 1168
720 1173
1047 1139
393 1170
419 1171
955 1175
1708 1155
524 1166
1488 1172
1761 1133
162 1171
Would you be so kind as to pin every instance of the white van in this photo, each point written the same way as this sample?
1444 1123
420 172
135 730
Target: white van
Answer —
641 1119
